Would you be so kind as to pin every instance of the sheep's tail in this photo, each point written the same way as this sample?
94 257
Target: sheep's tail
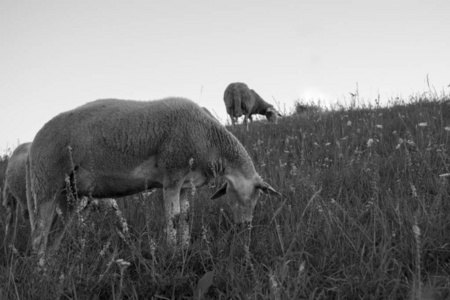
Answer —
232 100
30 199
237 103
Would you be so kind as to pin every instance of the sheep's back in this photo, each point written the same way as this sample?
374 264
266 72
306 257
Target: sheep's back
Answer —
111 134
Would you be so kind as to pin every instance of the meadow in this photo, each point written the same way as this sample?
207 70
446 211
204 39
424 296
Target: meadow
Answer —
365 214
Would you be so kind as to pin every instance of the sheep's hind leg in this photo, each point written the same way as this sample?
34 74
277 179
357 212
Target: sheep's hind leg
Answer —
233 120
16 224
11 206
44 220
62 220
246 121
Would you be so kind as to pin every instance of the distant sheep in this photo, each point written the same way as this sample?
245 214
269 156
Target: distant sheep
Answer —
14 191
240 100
115 148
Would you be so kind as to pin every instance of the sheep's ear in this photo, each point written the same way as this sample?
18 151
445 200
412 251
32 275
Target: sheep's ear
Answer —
267 189
280 115
220 192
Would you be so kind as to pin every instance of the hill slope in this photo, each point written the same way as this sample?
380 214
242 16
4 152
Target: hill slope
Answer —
365 213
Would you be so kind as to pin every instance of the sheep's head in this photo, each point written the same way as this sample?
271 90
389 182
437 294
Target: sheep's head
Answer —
243 194
272 115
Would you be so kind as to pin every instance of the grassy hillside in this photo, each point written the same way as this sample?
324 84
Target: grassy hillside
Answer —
365 213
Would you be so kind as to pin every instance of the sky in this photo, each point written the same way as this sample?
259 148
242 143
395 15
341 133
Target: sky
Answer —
57 55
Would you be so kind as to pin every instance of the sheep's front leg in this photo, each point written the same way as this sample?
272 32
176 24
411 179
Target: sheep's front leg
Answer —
172 211
176 206
183 224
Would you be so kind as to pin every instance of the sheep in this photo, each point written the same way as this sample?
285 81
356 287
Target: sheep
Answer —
240 100
115 148
14 191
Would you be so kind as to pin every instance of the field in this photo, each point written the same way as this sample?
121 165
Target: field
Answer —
365 214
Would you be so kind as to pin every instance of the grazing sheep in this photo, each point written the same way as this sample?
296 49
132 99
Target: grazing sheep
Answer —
115 148
14 191
240 100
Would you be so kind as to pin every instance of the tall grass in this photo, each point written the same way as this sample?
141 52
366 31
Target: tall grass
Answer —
365 213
